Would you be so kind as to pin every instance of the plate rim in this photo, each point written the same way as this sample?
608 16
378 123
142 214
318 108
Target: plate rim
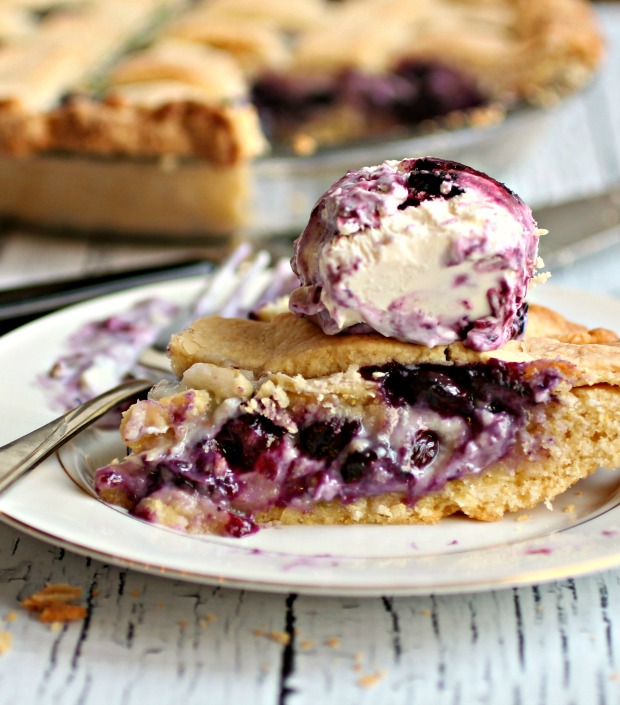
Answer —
529 573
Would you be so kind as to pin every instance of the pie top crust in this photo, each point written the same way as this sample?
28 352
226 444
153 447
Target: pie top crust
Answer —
295 346
171 77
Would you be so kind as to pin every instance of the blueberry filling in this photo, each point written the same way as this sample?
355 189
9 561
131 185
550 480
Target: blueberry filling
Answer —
413 92
325 440
425 448
461 390
429 423
242 440
356 465
433 89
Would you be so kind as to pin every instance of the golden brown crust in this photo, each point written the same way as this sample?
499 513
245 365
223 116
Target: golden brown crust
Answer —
288 344
215 122
563 47
255 45
113 128
295 345
544 51
537 51
223 135
543 322
214 73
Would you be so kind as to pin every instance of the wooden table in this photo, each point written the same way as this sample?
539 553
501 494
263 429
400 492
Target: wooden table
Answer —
148 639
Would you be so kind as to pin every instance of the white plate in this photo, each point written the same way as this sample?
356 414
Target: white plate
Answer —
456 555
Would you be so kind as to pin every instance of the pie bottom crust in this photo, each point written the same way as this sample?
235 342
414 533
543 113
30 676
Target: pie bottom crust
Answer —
161 198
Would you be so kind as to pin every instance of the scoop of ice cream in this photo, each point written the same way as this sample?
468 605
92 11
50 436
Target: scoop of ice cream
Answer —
424 250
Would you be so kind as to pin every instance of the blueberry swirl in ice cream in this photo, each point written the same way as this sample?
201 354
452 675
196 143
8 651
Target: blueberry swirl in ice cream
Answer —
423 250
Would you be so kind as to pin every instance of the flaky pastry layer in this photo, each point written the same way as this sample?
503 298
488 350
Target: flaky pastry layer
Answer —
296 346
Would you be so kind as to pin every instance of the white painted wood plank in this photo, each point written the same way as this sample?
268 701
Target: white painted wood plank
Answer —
144 640
144 637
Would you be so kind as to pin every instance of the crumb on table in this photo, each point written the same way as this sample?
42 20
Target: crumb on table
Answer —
274 635
371 679
55 603
6 642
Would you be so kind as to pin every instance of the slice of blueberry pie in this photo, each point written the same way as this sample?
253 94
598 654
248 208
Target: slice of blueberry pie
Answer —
400 388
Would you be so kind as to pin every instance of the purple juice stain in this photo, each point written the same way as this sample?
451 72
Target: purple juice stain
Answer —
539 551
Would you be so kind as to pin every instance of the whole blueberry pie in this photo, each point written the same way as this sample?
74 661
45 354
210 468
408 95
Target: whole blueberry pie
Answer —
105 101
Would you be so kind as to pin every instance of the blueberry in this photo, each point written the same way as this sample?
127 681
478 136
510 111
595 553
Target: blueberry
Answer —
325 440
425 448
460 390
242 440
356 465
434 90
183 482
426 185
238 526
413 92
224 485
295 487
442 388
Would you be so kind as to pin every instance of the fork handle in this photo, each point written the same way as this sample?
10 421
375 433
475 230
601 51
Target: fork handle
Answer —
21 455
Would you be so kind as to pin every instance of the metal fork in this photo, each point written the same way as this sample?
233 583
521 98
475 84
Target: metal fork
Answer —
23 454
221 294
228 292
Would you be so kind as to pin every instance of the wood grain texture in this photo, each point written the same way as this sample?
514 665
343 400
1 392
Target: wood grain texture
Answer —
148 639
